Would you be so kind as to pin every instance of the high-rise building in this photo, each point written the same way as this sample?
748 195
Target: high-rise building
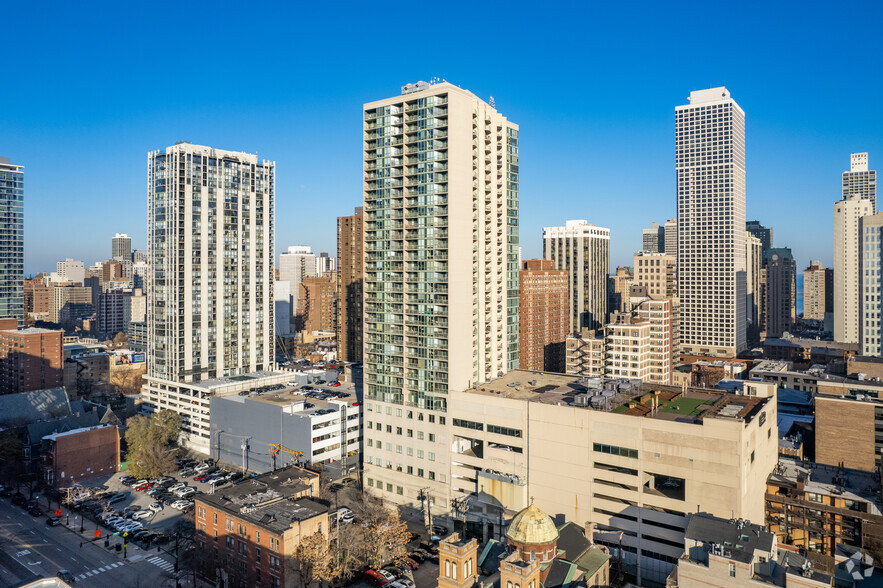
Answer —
754 288
847 213
121 247
654 239
36 297
859 181
671 237
643 343
69 304
283 303
111 312
210 300
818 291
870 258
325 264
763 233
298 263
543 314
12 238
584 251
619 286
441 269
350 290
30 359
658 273
781 291
710 155
317 304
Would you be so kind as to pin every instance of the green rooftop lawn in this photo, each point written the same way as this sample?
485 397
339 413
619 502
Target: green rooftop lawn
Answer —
687 406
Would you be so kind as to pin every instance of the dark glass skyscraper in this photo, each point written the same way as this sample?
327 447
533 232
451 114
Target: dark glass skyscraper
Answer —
12 236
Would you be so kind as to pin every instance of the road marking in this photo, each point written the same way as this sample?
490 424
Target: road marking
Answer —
23 552
89 574
102 569
81 577
162 563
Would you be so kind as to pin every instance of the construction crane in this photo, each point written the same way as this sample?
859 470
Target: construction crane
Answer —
275 448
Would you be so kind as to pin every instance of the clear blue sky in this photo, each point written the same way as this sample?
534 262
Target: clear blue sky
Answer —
89 88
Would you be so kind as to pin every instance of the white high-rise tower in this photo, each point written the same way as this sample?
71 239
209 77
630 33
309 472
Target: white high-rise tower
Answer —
440 277
210 238
847 297
710 160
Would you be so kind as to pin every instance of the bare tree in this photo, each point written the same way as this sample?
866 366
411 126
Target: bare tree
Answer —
311 561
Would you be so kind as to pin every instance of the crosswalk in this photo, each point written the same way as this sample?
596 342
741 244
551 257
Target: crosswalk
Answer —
165 564
99 570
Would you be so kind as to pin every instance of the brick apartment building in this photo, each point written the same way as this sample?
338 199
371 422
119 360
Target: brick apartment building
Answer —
80 454
30 359
317 304
349 286
248 530
543 316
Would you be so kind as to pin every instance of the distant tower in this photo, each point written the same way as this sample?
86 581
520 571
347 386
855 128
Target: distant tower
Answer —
584 251
121 247
870 258
710 159
860 181
654 239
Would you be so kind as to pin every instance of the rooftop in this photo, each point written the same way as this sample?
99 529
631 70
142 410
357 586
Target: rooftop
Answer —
31 331
844 483
55 436
738 539
630 397
269 501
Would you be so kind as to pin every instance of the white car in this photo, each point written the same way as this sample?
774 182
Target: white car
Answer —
142 514
176 487
203 467
156 506
182 504
132 527
185 492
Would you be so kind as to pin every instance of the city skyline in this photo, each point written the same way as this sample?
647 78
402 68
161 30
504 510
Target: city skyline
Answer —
617 118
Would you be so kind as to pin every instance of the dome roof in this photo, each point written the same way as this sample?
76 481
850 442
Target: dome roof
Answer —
532 526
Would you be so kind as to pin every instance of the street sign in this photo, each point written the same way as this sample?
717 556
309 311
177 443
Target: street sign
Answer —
97 533
58 512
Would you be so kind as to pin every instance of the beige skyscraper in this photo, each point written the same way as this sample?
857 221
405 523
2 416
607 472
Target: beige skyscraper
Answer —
710 165
658 273
847 213
753 278
671 237
818 291
584 251
441 277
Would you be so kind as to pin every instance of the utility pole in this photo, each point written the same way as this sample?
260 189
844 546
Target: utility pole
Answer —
244 446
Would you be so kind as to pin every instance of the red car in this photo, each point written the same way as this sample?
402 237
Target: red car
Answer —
410 563
143 487
200 478
336 384
375 579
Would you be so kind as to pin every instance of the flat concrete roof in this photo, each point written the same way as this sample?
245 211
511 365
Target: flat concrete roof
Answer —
629 397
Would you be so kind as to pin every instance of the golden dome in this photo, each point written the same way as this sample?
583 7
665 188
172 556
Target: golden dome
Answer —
532 526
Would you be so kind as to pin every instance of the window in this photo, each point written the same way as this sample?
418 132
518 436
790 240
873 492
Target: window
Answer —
257 537
732 570
431 456
614 450
432 437
389 487
468 424
504 431
216 518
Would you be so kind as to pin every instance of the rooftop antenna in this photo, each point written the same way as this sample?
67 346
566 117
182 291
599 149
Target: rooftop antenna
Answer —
492 102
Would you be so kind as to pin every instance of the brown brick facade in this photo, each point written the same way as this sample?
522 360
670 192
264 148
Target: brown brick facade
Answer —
845 433
80 455
30 359
544 316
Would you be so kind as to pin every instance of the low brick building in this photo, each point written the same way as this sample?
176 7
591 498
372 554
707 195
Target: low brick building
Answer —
80 454
247 531
30 359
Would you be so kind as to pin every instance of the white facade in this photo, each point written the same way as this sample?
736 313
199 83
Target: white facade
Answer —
297 263
283 304
871 255
671 237
441 275
584 251
210 236
325 264
710 156
754 264
121 247
846 266
859 181
69 270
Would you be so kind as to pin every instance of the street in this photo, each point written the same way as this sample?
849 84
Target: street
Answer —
30 549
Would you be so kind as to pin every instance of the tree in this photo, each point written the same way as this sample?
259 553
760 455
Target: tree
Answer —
387 540
120 340
167 425
151 461
312 560
11 455
349 554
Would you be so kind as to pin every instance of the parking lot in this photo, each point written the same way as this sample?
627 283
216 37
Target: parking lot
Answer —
153 508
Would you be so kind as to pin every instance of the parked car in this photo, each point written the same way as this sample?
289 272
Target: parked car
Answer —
439 530
19 499
143 514
411 563
53 521
417 556
118 497
143 487
6 492
156 506
235 476
176 487
375 579
387 575
335 487
186 492
403 582
35 511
